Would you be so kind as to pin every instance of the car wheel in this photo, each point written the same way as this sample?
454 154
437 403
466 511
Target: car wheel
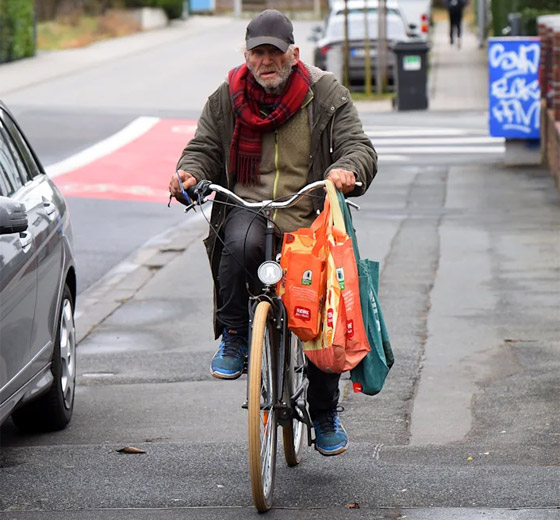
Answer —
53 410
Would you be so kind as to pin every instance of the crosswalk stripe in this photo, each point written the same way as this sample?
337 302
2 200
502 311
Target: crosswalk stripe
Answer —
439 149
403 131
401 144
440 141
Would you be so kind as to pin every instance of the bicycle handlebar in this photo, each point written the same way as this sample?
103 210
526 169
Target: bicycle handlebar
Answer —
204 188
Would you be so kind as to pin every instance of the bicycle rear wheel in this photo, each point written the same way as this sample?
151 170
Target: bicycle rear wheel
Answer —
293 435
262 416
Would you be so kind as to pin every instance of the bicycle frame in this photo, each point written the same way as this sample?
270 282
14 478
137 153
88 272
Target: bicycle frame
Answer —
273 358
285 405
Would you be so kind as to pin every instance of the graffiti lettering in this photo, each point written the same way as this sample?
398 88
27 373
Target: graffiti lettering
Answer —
517 89
523 61
514 88
514 116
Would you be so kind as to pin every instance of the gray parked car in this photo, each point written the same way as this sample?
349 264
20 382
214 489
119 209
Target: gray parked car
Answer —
329 41
37 290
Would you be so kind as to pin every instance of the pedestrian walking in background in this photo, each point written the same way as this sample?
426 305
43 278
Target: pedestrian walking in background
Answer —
455 9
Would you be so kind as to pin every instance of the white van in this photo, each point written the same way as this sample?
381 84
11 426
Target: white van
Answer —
418 16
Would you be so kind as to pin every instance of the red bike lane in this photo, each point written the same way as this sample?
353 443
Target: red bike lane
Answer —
136 170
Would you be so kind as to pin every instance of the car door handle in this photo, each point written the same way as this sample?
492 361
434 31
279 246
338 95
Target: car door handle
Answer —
26 240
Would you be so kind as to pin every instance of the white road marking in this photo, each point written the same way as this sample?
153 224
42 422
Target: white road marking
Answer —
404 131
439 141
440 149
129 133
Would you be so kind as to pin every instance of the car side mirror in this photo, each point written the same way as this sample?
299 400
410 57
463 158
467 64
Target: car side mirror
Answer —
13 216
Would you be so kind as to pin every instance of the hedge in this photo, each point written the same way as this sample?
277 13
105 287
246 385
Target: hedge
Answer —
17 30
529 10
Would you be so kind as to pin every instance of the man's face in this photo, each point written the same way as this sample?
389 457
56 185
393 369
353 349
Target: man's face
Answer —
271 67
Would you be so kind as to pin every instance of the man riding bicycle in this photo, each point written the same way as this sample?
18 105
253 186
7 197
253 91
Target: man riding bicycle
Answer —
274 126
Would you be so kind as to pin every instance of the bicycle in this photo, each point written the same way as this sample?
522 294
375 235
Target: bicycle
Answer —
276 383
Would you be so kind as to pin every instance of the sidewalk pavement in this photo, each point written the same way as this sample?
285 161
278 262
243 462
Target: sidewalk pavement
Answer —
458 77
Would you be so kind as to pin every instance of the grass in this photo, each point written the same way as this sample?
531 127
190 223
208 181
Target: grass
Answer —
78 30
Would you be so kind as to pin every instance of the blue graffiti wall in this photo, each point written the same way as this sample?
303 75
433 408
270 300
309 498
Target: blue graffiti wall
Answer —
514 105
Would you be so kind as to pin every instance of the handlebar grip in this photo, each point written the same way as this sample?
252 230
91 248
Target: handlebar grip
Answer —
199 190
202 189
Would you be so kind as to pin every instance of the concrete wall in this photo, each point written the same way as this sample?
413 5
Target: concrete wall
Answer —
148 17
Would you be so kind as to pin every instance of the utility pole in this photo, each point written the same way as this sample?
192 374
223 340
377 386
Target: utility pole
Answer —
346 49
481 15
367 56
381 69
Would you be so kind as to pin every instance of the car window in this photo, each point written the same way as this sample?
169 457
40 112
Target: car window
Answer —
32 168
396 29
9 170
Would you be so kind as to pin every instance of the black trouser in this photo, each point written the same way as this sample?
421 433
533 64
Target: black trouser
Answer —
455 18
242 254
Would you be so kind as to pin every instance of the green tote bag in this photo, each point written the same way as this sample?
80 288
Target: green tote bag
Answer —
369 375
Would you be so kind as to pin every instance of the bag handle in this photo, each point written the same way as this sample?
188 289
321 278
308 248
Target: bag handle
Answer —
336 212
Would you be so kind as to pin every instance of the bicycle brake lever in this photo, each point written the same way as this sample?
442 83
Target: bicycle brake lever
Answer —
201 189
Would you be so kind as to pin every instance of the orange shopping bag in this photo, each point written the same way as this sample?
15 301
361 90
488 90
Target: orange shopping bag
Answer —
302 287
342 342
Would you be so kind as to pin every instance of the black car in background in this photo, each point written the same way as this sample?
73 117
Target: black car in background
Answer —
37 290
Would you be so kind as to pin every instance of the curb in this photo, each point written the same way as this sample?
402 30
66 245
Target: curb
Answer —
122 282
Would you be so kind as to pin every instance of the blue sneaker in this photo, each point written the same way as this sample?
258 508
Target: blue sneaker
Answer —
330 435
229 361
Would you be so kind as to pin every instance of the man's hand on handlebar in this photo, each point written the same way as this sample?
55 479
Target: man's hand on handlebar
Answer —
187 180
343 180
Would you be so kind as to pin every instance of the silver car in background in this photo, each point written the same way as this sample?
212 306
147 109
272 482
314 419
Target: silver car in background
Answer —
330 40
37 290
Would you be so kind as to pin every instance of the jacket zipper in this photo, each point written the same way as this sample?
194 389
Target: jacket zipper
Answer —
331 140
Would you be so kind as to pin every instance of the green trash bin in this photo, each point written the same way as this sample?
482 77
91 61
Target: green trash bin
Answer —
412 75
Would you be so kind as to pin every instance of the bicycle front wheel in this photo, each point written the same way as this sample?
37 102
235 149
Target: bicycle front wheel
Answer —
294 433
262 416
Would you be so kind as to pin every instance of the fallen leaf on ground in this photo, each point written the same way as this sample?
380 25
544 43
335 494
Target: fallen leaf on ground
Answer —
130 449
353 505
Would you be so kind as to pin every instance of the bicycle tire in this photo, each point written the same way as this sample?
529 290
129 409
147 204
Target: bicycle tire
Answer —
293 435
262 417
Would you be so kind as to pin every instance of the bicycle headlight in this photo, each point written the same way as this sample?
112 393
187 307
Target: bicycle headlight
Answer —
269 273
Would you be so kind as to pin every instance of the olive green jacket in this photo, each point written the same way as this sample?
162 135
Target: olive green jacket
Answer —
337 141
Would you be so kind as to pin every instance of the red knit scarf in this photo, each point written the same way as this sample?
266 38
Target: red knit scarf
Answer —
247 96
